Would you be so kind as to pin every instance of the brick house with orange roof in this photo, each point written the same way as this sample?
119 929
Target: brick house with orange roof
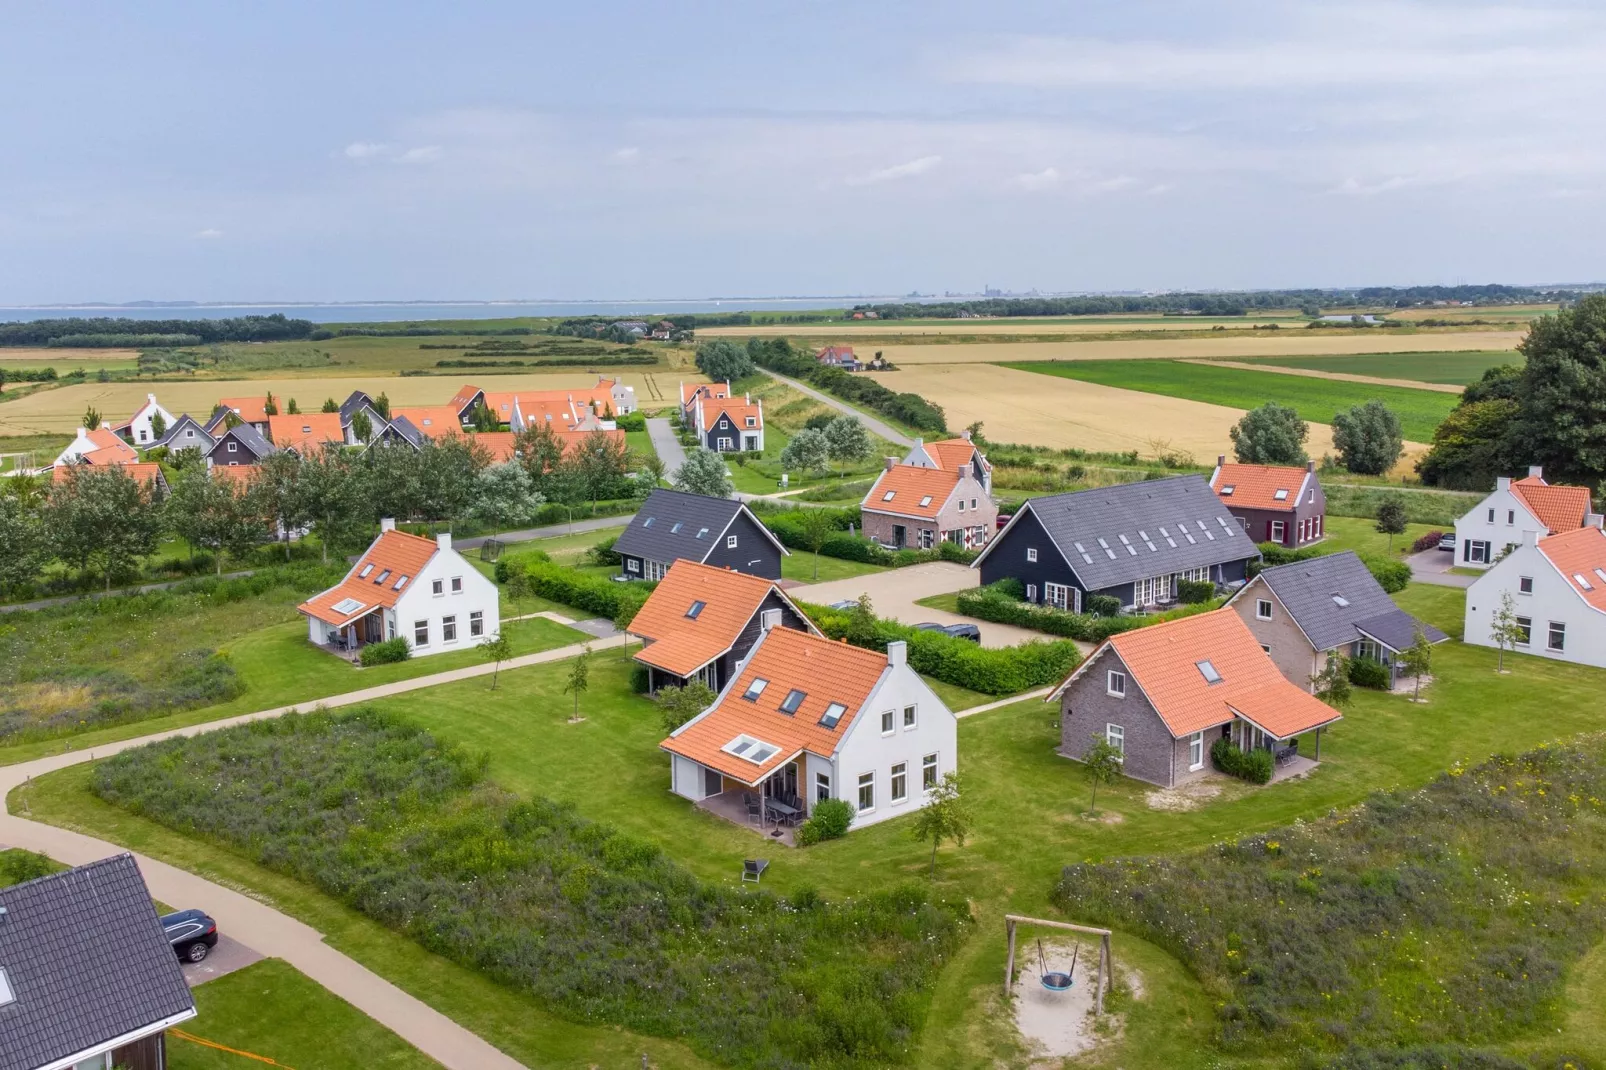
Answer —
806 719
403 585
919 507
1557 589
1163 695
949 453
701 621
1282 504
1497 523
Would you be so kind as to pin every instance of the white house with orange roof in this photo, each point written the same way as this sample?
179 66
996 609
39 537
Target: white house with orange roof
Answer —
914 506
806 719
140 428
100 446
587 409
691 393
253 411
404 585
949 453
1496 524
729 425
1557 589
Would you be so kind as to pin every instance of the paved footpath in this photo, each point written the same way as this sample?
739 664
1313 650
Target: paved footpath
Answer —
255 924
880 428
666 445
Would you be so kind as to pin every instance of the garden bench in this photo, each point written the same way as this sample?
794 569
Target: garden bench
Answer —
753 869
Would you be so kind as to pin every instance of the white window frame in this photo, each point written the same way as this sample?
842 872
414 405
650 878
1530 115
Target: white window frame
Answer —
449 628
1115 683
898 783
1031 592
889 722
457 585
1196 752
1059 596
656 570
1279 530
910 717
437 587
730 542
1525 585
866 784
929 772
822 787
1557 630
420 626
1115 736
476 623
1526 626
632 565
724 443
1031 555
1263 609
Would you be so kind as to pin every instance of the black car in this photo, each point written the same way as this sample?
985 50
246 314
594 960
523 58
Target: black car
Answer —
958 631
191 932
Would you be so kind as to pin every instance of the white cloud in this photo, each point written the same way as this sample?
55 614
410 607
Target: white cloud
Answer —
421 154
902 170
1034 180
209 233
378 150
363 150
628 154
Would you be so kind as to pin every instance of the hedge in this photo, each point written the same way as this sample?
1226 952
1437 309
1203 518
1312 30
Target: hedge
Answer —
1391 574
1255 766
1421 506
1364 672
385 652
989 670
787 526
619 602
1429 541
996 605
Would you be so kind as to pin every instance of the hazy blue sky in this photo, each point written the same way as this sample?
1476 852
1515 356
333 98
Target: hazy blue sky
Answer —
340 151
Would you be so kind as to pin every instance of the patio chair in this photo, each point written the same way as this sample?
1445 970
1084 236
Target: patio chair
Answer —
755 816
753 869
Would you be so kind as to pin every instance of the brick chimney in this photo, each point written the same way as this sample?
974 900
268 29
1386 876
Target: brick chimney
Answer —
1221 460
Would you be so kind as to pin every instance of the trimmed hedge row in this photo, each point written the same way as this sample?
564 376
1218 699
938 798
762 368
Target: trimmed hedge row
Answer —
788 527
991 603
1391 574
385 652
619 602
991 671
1427 542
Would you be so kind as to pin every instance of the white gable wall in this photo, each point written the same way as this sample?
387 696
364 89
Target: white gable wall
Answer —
866 750
1498 521
1554 598
418 602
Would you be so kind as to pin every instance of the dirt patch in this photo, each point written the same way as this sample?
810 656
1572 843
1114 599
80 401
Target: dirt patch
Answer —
1056 1025
1103 817
1189 796
53 355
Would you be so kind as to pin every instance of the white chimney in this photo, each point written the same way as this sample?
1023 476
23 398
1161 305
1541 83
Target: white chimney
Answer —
83 433
769 619
1502 482
444 540
1531 538
965 434
151 398
897 653
891 461
387 524
1536 471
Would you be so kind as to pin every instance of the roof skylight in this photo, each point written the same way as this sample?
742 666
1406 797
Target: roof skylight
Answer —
347 606
1226 492
647 523
696 608
1281 495
701 532
889 495
755 689
925 500
753 750
365 570
794 699
401 581
382 577
1585 584
1208 671
676 529
1340 600
833 713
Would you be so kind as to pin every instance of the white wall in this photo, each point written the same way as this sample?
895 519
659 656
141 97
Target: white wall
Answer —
1553 599
140 431
1499 533
686 778
418 602
866 750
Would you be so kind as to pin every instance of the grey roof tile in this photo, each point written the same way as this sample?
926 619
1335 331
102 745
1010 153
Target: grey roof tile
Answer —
1307 589
87 960
652 533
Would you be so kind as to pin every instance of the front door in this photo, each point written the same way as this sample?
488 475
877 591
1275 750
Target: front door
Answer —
900 536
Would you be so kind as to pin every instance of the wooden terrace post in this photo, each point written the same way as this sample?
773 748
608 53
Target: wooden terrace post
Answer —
1009 968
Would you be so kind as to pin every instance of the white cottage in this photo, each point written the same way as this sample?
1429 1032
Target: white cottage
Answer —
1496 524
1557 586
404 585
806 719
140 429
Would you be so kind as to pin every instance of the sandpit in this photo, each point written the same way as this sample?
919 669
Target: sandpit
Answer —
1059 1024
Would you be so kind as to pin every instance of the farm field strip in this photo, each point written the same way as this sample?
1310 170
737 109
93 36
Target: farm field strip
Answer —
1335 375
1447 368
1316 400
1012 325
1261 344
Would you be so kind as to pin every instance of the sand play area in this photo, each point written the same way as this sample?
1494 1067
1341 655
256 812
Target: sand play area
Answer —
1053 1024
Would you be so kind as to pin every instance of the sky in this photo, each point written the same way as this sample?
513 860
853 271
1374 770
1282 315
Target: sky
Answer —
397 151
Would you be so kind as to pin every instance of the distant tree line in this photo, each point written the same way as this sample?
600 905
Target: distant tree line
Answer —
273 328
780 355
415 330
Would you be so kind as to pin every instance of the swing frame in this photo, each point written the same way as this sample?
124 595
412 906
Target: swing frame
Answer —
1011 921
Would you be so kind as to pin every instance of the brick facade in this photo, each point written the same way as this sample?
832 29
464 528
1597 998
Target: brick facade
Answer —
1282 638
1152 753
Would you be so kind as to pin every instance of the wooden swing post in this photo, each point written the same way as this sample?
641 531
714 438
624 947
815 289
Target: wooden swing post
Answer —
1106 965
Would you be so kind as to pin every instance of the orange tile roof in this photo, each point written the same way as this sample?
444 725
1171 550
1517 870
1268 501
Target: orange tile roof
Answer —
826 671
1163 660
950 453
248 409
109 449
145 472
571 439
910 485
306 432
1559 508
464 395
737 409
393 555
1580 552
681 644
234 473
500 443
432 420
1255 486
688 391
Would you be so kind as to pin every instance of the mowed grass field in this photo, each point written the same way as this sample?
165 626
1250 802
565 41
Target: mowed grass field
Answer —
1316 400
1445 367
1225 346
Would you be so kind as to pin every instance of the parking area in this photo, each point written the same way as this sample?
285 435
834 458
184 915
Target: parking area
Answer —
229 955
893 594
1433 566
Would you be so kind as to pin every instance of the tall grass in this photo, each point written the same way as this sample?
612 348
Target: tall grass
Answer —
602 927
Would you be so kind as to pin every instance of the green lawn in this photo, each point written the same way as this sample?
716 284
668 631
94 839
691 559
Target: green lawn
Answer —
800 566
273 1010
1449 367
1420 411
640 442
1361 535
1027 803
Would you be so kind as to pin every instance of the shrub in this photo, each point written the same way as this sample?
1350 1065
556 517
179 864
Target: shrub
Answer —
640 678
603 553
1391 574
597 595
1102 605
830 821
633 421
989 603
385 653
1427 542
17 865
788 528
1255 766
1192 592
1364 672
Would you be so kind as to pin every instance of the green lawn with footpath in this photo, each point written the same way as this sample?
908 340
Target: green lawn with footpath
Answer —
1028 804
1318 400
272 1010
1455 367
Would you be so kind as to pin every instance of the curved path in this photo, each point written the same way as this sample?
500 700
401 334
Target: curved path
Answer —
876 426
257 925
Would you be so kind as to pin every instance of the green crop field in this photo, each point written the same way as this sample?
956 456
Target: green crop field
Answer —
1314 399
1449 367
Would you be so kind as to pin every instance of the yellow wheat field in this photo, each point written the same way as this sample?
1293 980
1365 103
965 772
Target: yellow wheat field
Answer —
1046 410
51 355
1266 344
864 329
62 409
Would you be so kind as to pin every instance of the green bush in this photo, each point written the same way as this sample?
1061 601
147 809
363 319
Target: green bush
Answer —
17 865
640 678
1255 766
990 603
632 421
386 652
1391 574
788 528
596 595
1192 592
1102 605
1364 672
603 553
830 821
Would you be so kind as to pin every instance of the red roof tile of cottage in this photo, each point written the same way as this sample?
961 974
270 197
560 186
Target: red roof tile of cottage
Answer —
307 432
375 580
737 409
911 490
1257 486
1580 554
1559 508
150 473
681 643
251 410
950 453
432 420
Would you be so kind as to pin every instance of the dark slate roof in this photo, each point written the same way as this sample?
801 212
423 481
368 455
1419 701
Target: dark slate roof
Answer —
87 960
1307 589
652 532
1148 529
407 430
178 424
249 437
356 401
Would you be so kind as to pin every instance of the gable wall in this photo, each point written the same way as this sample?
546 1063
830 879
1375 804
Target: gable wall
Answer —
754 553
1290 651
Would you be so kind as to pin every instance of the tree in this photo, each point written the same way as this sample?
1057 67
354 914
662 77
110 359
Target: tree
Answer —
649 474
945 816
362 428
704 473
504 496
291 409
540 451
22 543
817 526
447 474
809 451
1368 438
382 405
278 494
1469 445
483 419
600 463
861 627
678 705
848 440
1102 760
723 361
330 406
579 680
496 649
1416 661
158 425
220 515
1391 517
1271 434
333 498
1332 684
1504 629
91 418
270 407
102 516
1561 396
